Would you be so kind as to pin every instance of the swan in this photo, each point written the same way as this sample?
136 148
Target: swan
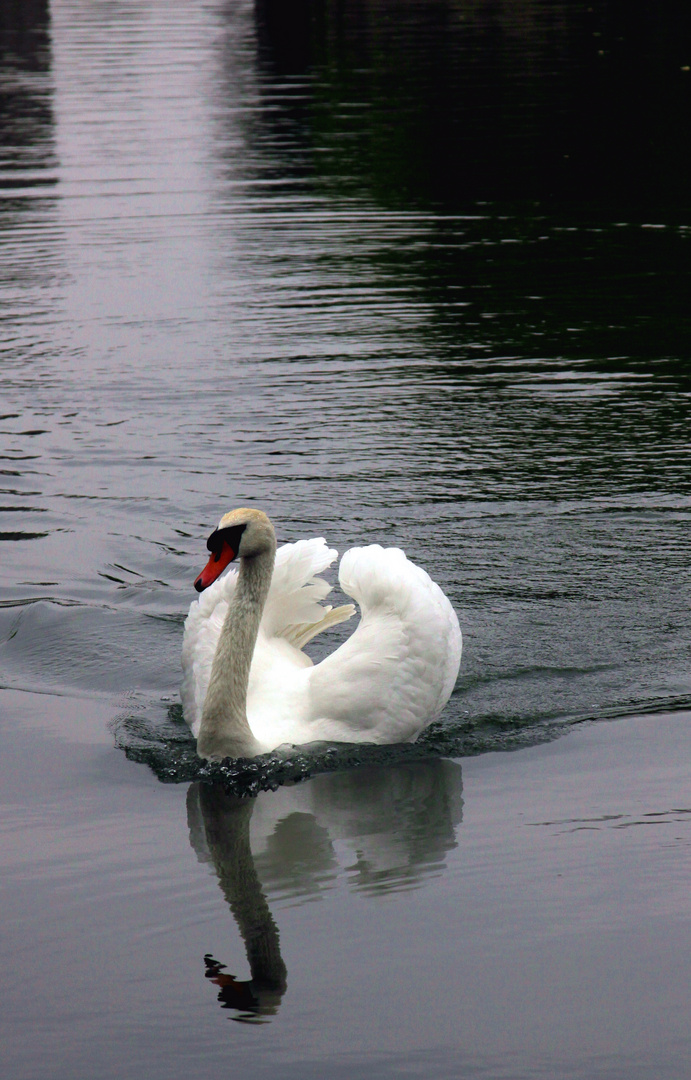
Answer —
247 685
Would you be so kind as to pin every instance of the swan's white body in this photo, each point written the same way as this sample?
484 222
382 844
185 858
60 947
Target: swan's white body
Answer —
384 684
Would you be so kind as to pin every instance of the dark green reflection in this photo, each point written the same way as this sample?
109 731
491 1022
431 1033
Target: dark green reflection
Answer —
457 100
545 143
26 115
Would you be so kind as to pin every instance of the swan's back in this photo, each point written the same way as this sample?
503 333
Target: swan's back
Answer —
397 670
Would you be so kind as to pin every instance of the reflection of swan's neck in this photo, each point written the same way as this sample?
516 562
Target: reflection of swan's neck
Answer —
224 731
227 833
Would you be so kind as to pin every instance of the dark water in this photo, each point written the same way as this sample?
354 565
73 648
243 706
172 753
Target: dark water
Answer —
413 273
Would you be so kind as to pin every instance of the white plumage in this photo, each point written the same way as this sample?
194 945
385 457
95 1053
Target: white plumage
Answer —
384 684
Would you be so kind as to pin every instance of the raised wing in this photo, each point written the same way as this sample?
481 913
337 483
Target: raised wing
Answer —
398 668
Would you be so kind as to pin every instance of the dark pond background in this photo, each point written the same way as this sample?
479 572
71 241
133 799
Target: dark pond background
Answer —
404 272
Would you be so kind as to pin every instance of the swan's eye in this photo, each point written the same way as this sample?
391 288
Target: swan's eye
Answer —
219 537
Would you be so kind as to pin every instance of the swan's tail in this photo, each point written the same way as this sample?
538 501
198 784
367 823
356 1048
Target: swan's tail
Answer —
293 609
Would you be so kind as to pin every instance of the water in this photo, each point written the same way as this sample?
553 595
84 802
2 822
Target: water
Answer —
419 280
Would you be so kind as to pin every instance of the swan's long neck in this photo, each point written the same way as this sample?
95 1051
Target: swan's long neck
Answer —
224 730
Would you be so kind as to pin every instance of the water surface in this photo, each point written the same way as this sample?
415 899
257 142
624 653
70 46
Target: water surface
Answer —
418 279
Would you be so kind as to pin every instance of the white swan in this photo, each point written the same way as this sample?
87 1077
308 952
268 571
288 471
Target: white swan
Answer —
247 685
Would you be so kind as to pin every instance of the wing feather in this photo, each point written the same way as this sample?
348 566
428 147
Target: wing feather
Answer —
398 668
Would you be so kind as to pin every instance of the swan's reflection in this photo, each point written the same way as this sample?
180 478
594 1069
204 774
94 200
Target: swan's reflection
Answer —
383 828
219 832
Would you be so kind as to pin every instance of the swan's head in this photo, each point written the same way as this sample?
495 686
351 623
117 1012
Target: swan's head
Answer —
242 533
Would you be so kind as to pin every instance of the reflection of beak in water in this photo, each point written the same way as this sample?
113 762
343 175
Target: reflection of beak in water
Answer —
219 826
382 828
237 993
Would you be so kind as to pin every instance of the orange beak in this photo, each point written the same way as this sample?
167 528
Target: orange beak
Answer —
215 567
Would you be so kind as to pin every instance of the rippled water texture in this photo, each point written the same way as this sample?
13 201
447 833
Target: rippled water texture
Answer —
410 273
